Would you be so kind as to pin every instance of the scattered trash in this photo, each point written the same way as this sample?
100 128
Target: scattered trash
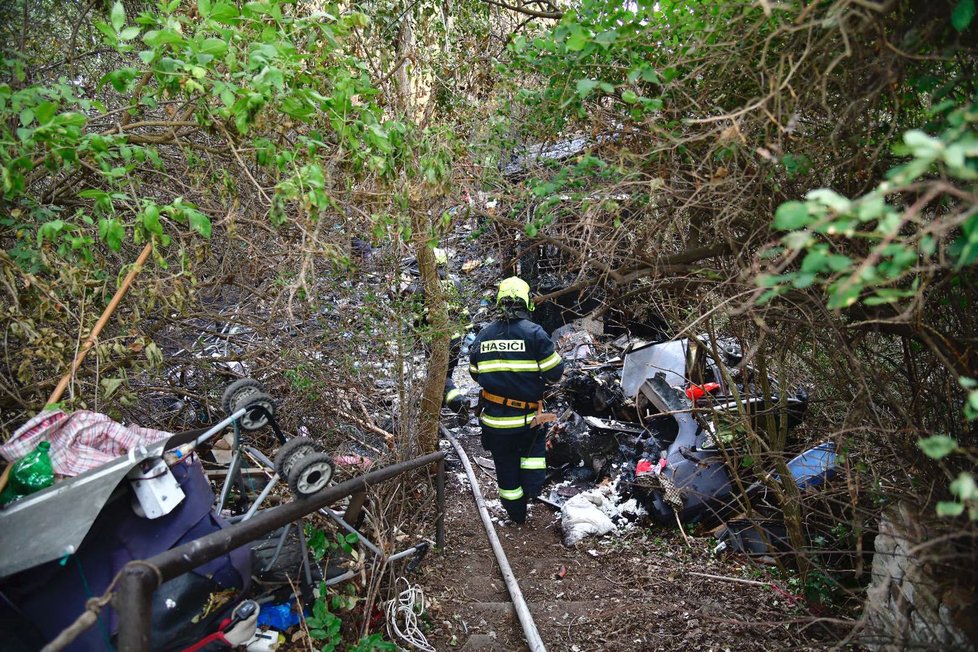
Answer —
80 441
29 474
650 417
403 614
814 467
573 342
358 462
264 641
485 463
280 616
758 539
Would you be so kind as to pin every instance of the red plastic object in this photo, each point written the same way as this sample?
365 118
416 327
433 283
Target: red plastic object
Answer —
696 392
643 467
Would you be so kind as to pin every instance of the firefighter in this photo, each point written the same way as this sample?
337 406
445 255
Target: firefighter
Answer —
513 359
455 401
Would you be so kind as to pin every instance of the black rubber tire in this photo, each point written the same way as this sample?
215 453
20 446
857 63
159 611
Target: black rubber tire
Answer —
310 474
234 392
250 420
291 451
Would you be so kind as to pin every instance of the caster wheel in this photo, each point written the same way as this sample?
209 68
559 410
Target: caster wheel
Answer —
291 452
255 419
310 474
238 390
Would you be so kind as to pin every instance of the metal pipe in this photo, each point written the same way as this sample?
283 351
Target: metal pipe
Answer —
352 530
340 578
440 503
134 607
522 610
133 602
261 497
278 548
190 555
407 552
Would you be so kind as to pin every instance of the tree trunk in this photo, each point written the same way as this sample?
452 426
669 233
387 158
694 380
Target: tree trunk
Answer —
429 413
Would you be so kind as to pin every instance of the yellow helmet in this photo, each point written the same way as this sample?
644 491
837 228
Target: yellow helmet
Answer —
514 288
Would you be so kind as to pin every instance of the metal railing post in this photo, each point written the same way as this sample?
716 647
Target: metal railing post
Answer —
440 500
134 603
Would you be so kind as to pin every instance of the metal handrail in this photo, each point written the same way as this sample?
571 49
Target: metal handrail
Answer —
139 579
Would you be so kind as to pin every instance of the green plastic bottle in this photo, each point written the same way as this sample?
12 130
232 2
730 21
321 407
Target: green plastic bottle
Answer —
31 473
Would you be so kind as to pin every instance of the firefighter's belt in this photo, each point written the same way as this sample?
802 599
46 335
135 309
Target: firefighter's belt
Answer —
509 402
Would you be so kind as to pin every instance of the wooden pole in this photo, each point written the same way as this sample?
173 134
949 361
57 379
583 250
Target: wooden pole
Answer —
99 325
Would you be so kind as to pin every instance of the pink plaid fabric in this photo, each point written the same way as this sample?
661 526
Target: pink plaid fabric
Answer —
79 441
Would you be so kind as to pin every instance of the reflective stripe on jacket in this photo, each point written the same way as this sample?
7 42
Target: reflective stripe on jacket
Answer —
515 359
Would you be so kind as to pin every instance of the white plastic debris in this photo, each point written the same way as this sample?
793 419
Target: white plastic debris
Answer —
582 516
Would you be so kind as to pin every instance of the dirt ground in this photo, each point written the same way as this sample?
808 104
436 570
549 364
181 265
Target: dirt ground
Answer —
640 590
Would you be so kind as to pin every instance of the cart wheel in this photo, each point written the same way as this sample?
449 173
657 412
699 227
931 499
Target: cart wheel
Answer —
291 451
310 474
238 390
255 419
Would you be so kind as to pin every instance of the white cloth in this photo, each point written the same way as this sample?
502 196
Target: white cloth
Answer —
581 517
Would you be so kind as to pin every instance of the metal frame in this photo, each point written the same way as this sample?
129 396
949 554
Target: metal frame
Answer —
139 579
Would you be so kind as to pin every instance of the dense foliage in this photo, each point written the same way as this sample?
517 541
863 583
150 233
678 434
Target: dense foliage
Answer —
800 175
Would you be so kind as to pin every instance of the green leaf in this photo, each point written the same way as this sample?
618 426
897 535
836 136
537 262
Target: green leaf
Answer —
963 14
577 41
214 46
118 16
112 232
585 86
871 208
151 219
921 145
830 199
791 215
199 223
815 261
839 262
965 487
651 103
224 12
629 97
843 295
204 8
937 446
946 508
796 164
26 117
110 385
129 33
320 611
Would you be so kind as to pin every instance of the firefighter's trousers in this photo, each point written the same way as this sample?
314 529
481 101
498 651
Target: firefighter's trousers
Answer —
521 465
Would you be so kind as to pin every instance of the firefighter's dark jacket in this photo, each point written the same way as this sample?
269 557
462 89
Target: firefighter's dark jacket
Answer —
514 359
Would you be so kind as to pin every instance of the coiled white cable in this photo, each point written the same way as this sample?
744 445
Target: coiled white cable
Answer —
402 616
